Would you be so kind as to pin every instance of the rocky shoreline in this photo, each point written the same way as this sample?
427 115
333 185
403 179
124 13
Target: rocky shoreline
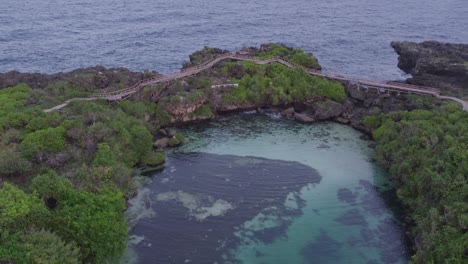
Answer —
435 64
188 100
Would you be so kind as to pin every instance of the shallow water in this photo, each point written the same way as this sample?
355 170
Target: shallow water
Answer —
257 189
351 37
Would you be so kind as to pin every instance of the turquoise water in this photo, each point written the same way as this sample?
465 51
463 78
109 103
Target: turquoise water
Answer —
340 214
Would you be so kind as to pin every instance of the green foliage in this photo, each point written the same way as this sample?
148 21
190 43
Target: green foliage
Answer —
44 247
195 96
297 56
371 121
304 59
104 156
277 84
19 210
274 50
154 158
176 140
14 112
161 115
203 111
95 222
49 184
11 249
12 163
426 152
48 140
127 136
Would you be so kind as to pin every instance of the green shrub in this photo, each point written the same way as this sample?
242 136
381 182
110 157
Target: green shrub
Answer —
11 248
95 222
44 247
203 111
426 153
12 163
297 56
277 84
104 156
154 158
19 210
49 184
49 140
371 121
176 140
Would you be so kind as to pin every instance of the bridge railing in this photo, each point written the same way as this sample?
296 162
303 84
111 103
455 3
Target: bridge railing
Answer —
209 63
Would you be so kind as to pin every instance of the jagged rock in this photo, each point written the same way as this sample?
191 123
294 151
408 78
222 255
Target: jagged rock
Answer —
300 106
289 112
203 55
327 109
163 132
435 64
341 120
303 118
171 132
357 94
273 110
162 143
97 77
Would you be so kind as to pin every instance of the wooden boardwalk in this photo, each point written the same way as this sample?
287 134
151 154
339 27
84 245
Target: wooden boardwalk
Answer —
362 84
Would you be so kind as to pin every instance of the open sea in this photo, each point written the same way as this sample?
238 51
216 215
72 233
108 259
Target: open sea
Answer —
351 37
252 189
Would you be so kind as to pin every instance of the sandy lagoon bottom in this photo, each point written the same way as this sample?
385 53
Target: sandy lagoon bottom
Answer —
259 189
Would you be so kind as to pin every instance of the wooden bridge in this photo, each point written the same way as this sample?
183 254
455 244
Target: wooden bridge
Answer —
362 84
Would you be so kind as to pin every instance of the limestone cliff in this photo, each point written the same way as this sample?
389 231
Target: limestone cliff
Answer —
435 64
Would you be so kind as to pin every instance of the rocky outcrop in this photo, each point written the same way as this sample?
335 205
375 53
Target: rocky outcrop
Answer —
203 55
92 78
327 109
303 118
435 64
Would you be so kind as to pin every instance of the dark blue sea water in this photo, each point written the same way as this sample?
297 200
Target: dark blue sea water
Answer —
350 37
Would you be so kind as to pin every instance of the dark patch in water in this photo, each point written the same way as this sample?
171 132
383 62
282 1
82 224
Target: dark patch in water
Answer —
346 195
367 234
390 241
352 217
323 249
250 185
269 235
371 201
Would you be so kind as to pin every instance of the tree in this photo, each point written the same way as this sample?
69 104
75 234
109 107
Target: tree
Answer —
19 210
44 247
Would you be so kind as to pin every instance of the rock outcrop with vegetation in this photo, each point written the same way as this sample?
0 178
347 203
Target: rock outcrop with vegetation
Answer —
435 64
65 175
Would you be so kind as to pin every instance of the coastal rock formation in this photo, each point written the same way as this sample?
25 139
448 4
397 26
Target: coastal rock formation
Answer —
97 77
327 109
435 64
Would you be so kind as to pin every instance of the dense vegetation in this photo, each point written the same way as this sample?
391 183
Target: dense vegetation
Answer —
64 176
297 56
74 169
275 84
426 153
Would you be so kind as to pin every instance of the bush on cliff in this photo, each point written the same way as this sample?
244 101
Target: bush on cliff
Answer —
426 152
277 84
297 56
